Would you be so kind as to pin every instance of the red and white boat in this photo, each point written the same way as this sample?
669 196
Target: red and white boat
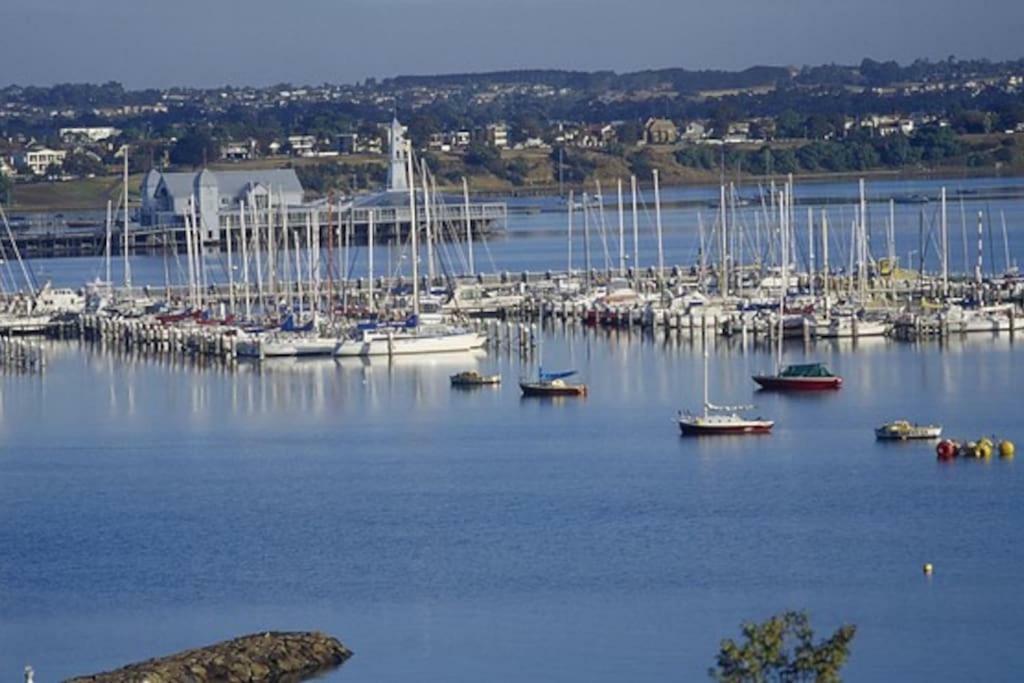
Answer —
720 419
802 377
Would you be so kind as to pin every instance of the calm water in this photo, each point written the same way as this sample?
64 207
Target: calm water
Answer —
466 536
444 535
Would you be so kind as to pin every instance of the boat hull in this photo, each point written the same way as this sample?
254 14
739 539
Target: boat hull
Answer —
540 389
480 381
410 345
750 427
913 434
776 383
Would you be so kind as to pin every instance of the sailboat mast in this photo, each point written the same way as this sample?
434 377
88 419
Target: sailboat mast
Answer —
231 271
622 233
127 266
657 223
783 275
636 229
723 274
469 224
106 254
413 230
245 259
824 257
705 379
369 257
429 230
945 246
572 201
586 240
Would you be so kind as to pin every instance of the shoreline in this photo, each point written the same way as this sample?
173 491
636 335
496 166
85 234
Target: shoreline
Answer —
96 202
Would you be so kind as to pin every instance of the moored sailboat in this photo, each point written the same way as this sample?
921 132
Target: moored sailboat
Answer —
720 420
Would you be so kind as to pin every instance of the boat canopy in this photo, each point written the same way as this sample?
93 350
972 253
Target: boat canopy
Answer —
289 325
806 370
551 376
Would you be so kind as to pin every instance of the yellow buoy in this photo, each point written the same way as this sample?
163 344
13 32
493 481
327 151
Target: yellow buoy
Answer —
985 449
1006 449
928 568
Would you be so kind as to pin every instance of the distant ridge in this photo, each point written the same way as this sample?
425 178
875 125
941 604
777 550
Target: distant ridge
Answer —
682 80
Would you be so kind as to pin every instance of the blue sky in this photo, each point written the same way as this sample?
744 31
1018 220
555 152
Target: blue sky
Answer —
213 42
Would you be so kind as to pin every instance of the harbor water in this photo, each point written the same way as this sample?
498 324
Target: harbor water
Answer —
151 503
149 506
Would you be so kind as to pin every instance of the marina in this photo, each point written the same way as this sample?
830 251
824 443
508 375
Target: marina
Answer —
270 383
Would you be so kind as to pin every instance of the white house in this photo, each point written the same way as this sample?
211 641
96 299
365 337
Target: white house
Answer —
40 159
89 133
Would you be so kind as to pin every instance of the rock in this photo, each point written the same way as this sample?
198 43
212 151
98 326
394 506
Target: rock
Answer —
270 657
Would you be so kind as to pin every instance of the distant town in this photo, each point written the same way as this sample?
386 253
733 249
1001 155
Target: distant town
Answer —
525 130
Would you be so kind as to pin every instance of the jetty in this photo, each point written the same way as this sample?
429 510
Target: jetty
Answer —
271 656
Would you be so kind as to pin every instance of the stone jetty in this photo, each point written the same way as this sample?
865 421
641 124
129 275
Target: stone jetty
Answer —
272 657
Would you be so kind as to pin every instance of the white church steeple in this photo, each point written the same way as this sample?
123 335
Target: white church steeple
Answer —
400 147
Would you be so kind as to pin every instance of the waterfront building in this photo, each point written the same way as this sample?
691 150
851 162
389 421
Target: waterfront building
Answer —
215 198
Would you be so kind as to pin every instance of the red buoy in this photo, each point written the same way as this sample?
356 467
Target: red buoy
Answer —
946 450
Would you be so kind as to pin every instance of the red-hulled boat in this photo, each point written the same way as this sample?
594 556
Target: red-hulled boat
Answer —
805 377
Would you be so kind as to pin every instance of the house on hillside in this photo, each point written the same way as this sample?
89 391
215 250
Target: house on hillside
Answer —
39 159
660 132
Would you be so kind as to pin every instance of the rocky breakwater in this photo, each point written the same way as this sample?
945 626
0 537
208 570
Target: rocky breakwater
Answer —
272 657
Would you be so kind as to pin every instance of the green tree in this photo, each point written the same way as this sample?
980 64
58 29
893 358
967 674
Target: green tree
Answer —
83 164
195 148
782 649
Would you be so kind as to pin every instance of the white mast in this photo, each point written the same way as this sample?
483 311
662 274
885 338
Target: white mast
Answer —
572 202
258 254
636 230
298 266
810 249
981 247
469 224
783 273
188 254
413 229
428 231
369 255
723 284
245 259
892 248
862 252
622 233
271 248
945 247
705 378
824 256
1006 243
586 240
127 266
703 256
231 272
110 221
657 223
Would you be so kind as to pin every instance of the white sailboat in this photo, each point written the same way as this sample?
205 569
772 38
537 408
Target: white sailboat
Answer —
715 420
421 333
